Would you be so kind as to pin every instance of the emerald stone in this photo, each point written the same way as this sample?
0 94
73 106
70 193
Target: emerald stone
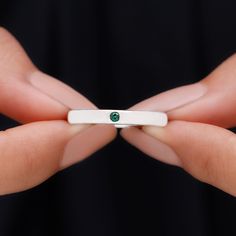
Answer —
114 116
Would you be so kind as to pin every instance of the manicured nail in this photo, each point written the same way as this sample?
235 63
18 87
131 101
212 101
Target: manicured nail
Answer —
150 145
59 91
173 98
86 142
163 152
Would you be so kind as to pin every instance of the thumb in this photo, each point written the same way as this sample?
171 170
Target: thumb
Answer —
31 153
212 100
205 151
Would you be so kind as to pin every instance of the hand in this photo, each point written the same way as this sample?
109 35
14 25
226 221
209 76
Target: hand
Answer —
195 138
31 153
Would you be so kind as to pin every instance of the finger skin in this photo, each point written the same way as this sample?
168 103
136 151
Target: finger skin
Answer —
211 100
205 151
217 105
31 153
26 94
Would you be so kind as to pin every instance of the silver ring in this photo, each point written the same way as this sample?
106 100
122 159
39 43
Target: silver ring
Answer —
119 118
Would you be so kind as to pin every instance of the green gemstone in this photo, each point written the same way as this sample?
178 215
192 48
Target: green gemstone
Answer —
115 116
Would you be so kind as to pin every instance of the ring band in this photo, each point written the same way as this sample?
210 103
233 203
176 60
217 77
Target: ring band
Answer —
119 118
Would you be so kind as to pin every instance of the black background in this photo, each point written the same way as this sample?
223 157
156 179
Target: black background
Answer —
118 53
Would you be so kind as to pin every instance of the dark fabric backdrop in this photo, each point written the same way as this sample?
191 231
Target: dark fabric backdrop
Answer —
118 53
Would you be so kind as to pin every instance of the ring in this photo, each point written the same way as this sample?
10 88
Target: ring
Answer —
119 118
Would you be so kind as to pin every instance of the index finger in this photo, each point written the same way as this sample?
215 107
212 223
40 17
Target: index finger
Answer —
26 94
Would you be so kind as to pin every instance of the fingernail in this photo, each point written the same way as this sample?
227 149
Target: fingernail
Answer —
154 131
74 148
150 145
59 91
76 129
163 151
87 141
173 98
